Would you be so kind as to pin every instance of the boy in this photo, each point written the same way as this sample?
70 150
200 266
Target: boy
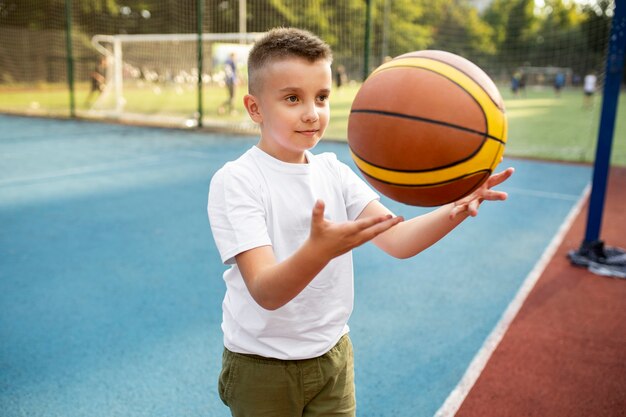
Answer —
286 220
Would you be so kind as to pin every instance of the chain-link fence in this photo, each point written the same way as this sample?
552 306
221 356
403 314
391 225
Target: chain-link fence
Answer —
163 61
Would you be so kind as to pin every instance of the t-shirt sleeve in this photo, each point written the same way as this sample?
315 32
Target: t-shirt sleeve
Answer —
356 192
236 214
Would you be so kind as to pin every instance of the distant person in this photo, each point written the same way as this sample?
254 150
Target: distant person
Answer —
589 89
522 83
559 82
515 82
98 79
230 79
340 76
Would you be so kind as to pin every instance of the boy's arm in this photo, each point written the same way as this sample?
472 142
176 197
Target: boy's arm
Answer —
273 284
413 236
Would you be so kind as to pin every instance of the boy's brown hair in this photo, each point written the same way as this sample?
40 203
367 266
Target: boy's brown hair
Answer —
281 43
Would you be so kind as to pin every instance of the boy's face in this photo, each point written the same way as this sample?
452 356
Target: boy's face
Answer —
291 106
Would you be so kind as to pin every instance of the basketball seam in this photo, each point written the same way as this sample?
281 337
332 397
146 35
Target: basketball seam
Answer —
434 121
482 110
446 63
434 184
438 167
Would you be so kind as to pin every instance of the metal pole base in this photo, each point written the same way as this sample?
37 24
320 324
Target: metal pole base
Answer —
600 259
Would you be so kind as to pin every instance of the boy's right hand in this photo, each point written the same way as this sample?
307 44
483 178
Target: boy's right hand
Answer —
272 284
334 239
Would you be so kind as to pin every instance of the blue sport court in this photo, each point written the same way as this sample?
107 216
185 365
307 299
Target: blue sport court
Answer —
111 287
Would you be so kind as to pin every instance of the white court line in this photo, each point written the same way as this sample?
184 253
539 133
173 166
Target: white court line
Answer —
88 169
141 161
459 393
546 194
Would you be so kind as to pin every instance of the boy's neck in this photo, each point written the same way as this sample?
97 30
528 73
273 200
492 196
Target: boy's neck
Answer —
284 156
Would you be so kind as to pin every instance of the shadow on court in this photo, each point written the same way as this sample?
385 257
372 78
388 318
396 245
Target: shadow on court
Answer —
111 288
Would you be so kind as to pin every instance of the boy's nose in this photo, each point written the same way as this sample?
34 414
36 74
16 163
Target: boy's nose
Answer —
310 114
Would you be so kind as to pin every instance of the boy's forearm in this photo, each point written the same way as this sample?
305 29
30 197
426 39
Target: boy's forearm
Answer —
412 236
273 284
276 285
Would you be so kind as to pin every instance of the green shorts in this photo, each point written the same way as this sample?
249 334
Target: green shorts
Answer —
256 386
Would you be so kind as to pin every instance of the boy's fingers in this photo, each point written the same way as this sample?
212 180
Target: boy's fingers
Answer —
318 211
472 207
381 223
500 177
363 224
382 226
495 195
457 209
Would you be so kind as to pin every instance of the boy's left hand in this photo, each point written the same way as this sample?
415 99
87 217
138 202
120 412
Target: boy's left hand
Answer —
471 203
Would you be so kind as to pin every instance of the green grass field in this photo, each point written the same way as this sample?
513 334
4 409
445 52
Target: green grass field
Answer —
540 125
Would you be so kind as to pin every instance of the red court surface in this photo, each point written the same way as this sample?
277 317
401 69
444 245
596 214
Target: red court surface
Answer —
565 352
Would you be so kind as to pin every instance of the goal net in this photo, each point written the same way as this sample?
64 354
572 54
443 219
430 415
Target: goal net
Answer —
154 77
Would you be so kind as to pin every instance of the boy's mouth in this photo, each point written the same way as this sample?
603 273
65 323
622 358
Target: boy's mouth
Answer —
308 131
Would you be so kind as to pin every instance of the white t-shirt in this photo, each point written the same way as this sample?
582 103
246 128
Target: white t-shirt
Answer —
590 83
258 200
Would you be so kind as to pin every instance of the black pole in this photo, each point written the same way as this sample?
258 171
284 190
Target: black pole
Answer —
70 55
368 35
200 60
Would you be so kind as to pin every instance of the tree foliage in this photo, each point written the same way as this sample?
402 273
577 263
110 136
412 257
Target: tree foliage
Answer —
508 33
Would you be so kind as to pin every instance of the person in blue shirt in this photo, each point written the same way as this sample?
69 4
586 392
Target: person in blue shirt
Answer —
230 79
559 82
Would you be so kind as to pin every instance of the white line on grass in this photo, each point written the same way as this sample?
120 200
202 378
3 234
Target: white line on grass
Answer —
458 394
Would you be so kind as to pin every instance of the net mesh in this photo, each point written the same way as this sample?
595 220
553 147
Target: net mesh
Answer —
155 78
157 75
136 80
33 76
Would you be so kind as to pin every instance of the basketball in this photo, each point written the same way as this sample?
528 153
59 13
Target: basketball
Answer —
427 128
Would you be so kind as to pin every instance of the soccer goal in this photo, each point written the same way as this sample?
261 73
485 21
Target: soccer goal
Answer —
155 76
542 77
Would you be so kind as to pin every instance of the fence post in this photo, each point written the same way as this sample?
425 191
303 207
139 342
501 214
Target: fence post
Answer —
368 35
199 10
70 55
243 16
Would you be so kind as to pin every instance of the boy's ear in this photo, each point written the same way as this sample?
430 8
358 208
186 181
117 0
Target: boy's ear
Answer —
252 106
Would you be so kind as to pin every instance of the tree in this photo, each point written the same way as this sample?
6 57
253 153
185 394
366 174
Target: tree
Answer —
558 41
49 14
497 17
597 24
401 25
458 28
519 33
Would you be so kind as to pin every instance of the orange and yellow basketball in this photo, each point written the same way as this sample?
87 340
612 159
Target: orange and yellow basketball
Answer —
427 128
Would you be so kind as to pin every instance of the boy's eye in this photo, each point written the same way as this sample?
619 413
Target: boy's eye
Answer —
292 99
323 97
